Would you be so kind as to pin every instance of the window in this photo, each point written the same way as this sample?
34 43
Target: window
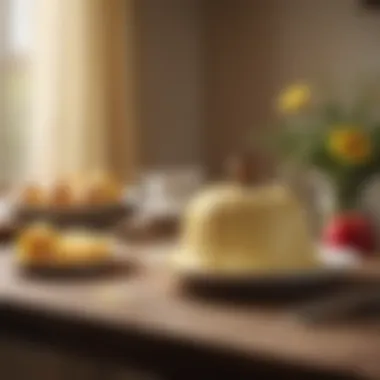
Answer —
15 52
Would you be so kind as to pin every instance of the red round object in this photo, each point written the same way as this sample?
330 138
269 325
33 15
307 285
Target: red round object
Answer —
352 230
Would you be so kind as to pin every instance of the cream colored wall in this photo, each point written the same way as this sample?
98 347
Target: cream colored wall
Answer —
170 77
255 47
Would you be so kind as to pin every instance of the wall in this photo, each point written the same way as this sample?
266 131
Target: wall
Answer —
249 50
256 47
170 77
336 39
238 73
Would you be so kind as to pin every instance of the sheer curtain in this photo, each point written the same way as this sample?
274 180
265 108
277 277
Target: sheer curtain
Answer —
83 109
16 40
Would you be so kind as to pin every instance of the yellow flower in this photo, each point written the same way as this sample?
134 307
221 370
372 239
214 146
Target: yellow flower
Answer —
349 144
294 98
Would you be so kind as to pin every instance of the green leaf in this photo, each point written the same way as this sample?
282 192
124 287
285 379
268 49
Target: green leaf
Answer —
333 114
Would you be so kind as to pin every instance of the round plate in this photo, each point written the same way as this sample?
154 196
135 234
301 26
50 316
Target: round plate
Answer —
292 279
113 264
51 270
261 283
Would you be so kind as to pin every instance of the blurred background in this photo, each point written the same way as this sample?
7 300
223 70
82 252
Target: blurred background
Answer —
164 82
132 87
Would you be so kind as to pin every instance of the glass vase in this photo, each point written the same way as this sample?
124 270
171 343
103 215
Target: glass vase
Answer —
348 226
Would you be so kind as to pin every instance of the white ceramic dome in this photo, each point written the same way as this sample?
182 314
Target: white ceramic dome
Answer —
242 228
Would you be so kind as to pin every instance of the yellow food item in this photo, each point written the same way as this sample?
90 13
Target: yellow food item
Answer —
62 195
350 144
294 98
32 195
81 248
41 244
241 229
103 190
37 244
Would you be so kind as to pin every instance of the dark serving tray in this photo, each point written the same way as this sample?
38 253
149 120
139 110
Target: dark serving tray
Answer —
101 217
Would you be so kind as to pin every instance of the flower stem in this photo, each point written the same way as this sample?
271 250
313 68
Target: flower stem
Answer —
346 198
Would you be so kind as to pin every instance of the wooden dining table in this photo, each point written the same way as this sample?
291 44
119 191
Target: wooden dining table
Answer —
140 317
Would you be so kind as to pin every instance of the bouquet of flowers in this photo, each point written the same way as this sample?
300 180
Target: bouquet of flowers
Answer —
340 140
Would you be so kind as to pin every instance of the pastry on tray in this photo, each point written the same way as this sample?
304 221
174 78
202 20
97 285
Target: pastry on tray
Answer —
101 190
93 203
61 195
42 245
32 196
38 244
79 247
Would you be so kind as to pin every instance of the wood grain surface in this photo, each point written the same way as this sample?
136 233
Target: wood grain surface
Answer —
150 300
